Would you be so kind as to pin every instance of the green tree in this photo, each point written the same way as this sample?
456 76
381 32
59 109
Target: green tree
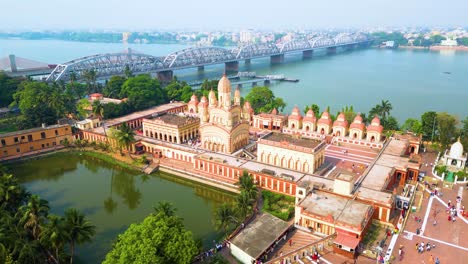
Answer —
349 113
113 87
79 230
165 208
225 217
263 100
429 125
124 136
165 240
413 125
128 73
244 204
82 107
142 91
462 41
391 123
8 86
447 128
315 108
436 39
40 103
90 77
247 185
34 214
54 235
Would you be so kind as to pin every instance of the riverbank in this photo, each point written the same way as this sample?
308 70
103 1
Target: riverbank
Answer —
435 48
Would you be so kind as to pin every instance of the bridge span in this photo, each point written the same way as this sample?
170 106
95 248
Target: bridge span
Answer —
107 65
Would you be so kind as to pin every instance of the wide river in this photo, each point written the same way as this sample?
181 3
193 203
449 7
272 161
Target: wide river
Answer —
414 81
114 198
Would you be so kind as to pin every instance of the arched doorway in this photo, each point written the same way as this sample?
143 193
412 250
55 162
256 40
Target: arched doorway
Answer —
355 135
322 131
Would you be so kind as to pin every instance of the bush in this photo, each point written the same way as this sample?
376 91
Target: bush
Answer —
279 205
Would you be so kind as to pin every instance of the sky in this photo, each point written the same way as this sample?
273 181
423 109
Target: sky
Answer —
226 15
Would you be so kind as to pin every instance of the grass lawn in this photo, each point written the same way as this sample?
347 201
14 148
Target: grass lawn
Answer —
279 205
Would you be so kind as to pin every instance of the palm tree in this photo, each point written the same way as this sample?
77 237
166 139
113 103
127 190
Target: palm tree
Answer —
78 229
225 217
34 214
73 79
165 208
90 76
375 111
244 203
54 234
247 185
98 110
124 136
128 73
11 193
385 107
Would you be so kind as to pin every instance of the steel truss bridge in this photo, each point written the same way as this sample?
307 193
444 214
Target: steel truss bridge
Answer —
107 65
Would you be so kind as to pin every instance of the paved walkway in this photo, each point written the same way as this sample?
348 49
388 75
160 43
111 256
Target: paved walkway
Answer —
449 238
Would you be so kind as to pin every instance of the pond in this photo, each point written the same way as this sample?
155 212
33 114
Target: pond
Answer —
113 198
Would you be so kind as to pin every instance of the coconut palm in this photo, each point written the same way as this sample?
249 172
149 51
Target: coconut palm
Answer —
11 193
54 235
124 136
166 208
128 73
385 107
33 215
79 230
90 77
244 204
225 217
247 185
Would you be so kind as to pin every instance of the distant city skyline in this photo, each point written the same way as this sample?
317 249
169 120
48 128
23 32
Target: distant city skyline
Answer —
233 15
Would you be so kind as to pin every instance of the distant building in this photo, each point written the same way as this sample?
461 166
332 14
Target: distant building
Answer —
33 140
246 36
449 42
126 36
390 44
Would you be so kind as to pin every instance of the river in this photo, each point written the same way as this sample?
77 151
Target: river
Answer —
414 81
113 198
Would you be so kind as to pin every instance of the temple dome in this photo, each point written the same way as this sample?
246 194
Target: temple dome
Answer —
456 150
224 85
194 98
296 113
357 119
203 99
375 121
274 111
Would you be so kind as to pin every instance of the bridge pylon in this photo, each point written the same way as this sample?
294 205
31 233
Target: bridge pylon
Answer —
307 54
275 59
165 76
231 67
331 50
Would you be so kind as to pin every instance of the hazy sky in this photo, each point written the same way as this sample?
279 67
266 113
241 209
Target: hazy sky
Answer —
233 14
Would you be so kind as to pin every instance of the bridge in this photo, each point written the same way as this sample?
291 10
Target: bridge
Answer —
107 65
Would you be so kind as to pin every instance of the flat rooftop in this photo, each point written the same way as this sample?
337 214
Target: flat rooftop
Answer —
31 130
260 234
374 195
250 165
347 211
137 115
396 161
301 142
177 120
377 177
396 147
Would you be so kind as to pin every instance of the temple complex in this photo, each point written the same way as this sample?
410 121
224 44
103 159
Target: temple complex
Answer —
223 127
343 175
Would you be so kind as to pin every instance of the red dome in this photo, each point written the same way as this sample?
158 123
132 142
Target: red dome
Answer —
358 119
274 111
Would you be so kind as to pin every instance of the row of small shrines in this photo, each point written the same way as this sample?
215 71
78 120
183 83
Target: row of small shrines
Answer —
295 123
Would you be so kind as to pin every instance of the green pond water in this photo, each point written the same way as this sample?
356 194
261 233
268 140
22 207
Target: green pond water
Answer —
113 198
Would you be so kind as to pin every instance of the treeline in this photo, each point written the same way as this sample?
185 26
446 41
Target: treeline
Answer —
41 102
420 40
30 234
108 37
